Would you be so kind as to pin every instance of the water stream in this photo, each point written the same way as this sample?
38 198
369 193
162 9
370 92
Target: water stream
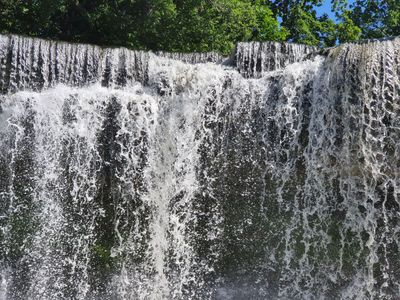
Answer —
273 174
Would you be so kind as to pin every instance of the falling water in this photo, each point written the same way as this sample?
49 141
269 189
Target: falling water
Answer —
131 175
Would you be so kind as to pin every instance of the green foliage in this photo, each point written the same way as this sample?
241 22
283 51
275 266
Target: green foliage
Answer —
303 25
376 18
198 25
347 30
195 25
172 25
300 19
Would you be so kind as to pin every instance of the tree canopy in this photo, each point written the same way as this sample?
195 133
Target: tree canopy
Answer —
376 18
198 25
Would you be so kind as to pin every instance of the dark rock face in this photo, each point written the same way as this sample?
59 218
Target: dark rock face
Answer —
273 174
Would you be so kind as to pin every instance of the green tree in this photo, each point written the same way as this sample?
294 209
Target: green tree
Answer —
300 19
201 25
198 25
376 18
347 30
173 25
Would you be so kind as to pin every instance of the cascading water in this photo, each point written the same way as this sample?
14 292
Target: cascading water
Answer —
130 175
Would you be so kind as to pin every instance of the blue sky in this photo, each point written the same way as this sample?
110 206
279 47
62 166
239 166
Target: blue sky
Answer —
326 8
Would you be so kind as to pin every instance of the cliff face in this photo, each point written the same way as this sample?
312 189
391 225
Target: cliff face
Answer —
133 175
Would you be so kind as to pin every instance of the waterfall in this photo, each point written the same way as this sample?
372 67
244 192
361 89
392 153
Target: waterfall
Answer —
273 174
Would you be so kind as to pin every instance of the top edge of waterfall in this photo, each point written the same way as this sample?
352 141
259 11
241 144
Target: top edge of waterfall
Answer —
29 63
221 58
376 40
172 55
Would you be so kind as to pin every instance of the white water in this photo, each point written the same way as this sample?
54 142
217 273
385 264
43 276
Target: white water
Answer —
127 175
